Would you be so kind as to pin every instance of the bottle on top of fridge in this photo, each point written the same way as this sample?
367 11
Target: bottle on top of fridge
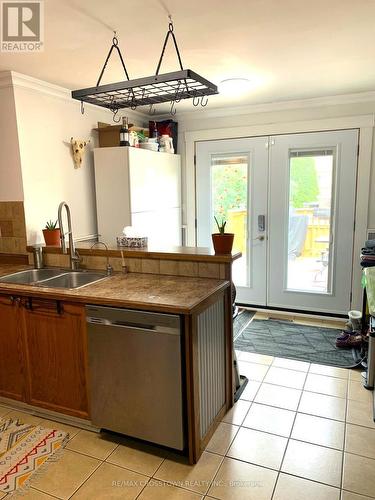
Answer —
124 132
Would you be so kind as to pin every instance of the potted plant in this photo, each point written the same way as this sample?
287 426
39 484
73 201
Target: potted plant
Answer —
51 234
223 242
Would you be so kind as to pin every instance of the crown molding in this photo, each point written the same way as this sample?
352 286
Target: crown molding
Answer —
315 102
20 80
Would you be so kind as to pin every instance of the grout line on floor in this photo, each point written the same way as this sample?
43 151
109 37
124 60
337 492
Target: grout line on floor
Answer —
289 438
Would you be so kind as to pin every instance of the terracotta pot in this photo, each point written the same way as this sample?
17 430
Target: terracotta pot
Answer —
52 237
223 243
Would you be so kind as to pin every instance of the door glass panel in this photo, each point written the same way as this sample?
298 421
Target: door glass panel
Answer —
229 201
310 220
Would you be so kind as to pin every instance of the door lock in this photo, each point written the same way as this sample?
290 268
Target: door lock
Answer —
261 223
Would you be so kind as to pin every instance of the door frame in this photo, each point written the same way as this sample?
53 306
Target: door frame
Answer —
365 124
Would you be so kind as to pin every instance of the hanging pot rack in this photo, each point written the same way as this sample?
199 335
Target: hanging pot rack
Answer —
159 88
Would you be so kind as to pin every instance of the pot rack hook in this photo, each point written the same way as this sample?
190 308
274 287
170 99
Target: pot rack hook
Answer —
205 102
196 101
82 108
115 111
173 108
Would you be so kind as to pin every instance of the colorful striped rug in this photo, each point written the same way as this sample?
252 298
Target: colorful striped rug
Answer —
24 449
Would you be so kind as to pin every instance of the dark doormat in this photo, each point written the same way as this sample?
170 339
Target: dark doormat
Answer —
286 339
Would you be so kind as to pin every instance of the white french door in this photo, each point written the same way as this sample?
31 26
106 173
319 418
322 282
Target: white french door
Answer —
231 183
290 200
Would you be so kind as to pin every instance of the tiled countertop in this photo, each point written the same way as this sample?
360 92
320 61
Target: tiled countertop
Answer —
173 294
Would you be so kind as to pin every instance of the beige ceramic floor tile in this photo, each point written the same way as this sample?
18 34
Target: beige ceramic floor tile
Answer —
360 413
138 457
287 378
253 371
321 405
356 375
237 413
25 418
260 315
4 411
269 419
250 390
252 357
258 448
317 430
291 364
97 445
158 490
309 321
290 488
281 316
111 482
347 495
313 462
330 371
358 392
252 482
66 475
330 386
2 495
33 494
281 397
222 438
337 324
70 429
196 477
359 475
360 440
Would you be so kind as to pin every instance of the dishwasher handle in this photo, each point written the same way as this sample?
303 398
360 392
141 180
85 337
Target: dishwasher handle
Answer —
132 326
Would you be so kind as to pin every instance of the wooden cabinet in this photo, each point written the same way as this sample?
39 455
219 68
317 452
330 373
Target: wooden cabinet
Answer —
56 356
12 373
43 349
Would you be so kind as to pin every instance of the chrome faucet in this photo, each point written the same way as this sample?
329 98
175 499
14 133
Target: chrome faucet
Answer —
75 258
109 268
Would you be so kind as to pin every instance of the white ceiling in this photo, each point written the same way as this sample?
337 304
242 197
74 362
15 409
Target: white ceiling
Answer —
290 49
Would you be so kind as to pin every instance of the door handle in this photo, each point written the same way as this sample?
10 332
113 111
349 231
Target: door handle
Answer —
260 237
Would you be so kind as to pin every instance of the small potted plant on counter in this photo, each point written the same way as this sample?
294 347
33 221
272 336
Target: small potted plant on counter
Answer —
51 234
223 242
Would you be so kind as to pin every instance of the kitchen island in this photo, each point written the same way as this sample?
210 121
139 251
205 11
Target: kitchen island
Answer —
43 341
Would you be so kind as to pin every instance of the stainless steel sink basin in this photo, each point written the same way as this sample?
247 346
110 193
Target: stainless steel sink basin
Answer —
31 276
53 278
73 279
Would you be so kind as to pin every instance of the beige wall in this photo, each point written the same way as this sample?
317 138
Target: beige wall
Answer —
46 120
10 166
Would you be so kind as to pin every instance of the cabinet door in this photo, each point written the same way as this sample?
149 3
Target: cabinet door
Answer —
56 356
11 350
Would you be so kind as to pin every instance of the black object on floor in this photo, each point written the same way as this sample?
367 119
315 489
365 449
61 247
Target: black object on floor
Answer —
242 320
286 339
243 383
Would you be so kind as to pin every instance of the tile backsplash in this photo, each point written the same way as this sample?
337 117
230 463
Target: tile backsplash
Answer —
12 227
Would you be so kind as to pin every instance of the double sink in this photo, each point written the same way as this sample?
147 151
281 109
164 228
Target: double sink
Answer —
53 278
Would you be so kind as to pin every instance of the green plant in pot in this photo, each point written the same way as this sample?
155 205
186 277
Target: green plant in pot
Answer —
223 242
51 234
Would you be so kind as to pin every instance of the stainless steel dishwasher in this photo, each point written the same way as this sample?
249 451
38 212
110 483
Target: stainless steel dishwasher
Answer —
135 374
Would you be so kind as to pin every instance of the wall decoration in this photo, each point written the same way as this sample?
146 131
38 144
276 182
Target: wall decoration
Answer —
78 150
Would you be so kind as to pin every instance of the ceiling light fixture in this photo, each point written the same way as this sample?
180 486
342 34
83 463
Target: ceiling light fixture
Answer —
235 85
168 87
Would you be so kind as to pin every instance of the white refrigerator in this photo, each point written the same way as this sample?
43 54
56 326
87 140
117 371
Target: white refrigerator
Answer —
138 188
